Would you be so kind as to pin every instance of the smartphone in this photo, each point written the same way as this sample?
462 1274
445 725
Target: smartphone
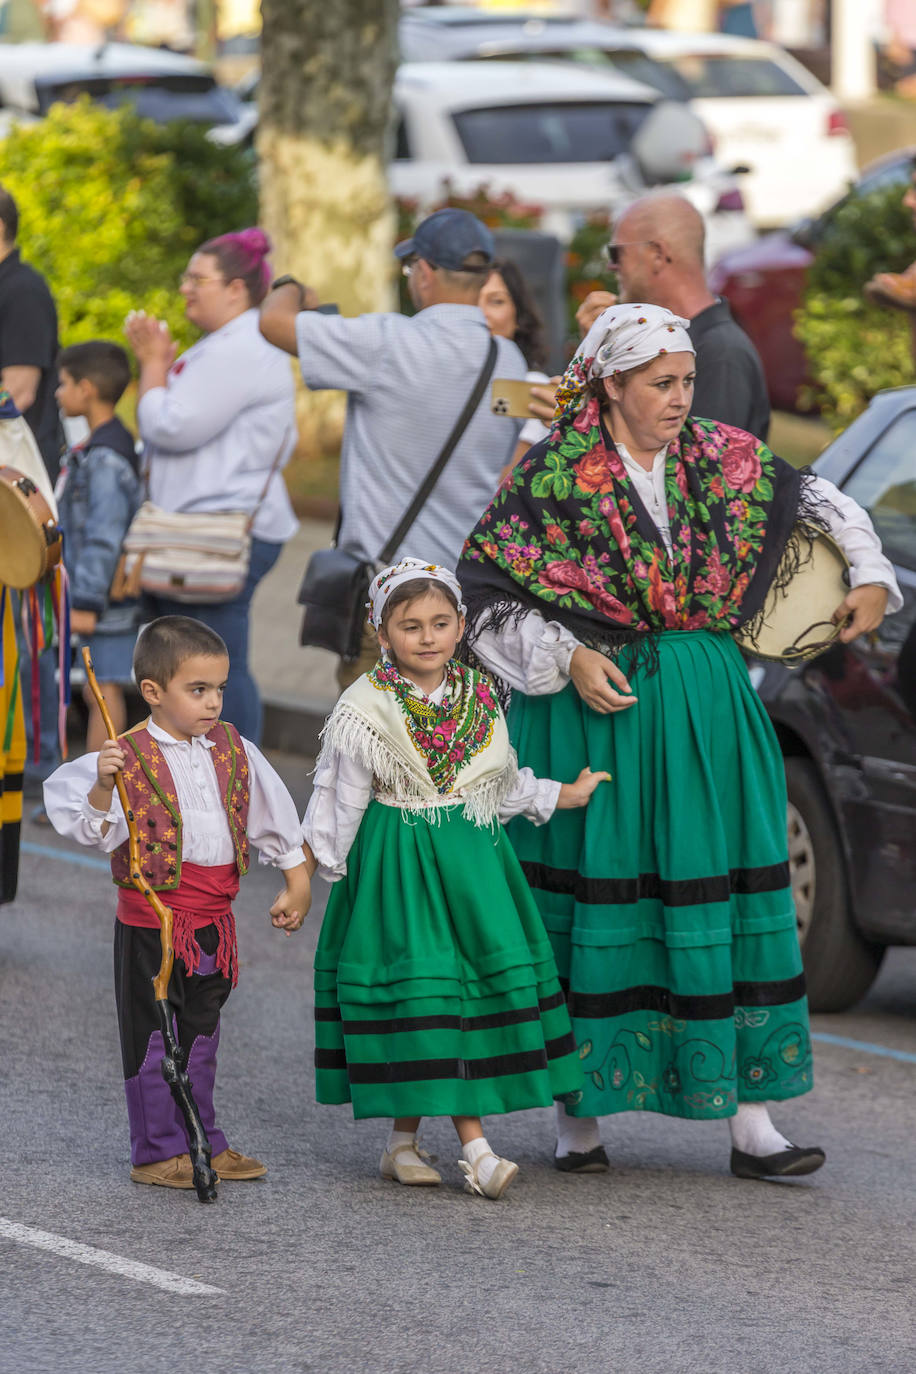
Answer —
327 309
510 397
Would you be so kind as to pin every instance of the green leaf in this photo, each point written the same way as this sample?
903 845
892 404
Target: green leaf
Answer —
542 485
643 1041
597 1079
585 1048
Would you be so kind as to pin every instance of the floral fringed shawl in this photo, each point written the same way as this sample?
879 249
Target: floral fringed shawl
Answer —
423 755
567 534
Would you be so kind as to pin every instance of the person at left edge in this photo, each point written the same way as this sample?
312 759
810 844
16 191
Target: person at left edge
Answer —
212 424
201 794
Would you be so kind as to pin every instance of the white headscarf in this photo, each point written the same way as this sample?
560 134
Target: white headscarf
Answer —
382 585
622 337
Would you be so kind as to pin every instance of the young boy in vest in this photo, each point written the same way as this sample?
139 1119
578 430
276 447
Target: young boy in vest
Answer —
199 793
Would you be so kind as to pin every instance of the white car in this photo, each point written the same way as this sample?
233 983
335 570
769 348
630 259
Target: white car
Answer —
160 85
568 140
764 110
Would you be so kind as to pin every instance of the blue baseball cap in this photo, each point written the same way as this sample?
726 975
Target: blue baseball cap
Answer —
446 238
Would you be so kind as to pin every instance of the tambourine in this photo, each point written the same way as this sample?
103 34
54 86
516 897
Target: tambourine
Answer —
796 624
30 538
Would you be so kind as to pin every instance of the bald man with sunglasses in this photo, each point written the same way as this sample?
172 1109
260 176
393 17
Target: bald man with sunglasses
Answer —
657 252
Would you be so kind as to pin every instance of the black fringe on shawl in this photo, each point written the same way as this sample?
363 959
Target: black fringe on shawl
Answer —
491 607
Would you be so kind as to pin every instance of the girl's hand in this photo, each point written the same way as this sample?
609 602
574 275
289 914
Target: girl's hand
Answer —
579 793
289 911
866 605
112 759
590 672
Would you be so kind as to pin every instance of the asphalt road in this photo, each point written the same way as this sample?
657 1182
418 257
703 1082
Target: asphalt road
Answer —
666 1264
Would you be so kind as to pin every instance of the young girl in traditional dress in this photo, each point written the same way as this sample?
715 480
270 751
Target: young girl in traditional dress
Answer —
436 993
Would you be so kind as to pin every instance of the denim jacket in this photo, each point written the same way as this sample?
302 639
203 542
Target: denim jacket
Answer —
98 495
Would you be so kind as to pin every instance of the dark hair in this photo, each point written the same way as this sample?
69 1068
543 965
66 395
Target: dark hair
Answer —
9 216
409 591
103 364
529 323
243 255
164 644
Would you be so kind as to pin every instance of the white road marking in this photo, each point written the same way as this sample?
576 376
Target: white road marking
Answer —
104 1259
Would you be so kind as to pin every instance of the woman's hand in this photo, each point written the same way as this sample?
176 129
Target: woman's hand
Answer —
866 605
579 793
590 672
83 622
150 340
543 402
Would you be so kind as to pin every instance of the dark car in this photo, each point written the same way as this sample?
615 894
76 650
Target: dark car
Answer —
846 722
764 282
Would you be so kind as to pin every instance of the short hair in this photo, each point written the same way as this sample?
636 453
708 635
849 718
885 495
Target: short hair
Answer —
164 644
243 255
104 364
9 216
410 590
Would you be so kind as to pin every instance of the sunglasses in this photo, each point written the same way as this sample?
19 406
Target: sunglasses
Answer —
612 250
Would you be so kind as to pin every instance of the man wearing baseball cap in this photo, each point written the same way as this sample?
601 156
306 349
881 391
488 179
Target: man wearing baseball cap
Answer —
408 380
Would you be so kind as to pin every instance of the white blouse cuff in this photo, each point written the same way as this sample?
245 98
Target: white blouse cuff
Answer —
291 859
95 818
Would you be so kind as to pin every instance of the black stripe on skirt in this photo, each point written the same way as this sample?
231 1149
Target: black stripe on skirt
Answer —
593 1006
415 1070
674 892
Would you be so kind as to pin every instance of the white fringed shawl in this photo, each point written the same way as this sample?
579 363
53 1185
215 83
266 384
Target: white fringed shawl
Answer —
368 726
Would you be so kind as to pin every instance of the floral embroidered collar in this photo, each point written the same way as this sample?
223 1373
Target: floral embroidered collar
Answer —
449 733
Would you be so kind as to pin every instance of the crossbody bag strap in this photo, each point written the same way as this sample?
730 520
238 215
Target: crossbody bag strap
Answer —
260 501
435 472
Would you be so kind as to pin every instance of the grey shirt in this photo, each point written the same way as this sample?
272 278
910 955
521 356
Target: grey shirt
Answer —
407 380
730 384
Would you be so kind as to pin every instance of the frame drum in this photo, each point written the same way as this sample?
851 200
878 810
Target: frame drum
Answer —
30 538
796 623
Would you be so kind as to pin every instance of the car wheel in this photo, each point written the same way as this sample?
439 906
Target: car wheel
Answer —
840 965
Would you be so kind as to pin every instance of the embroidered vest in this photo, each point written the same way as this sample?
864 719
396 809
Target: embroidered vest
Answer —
154 802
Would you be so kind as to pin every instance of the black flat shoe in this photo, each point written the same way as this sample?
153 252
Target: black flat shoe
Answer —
583 1161
790 1163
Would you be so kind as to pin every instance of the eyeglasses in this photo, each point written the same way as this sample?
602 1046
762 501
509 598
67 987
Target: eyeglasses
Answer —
612 250
195 279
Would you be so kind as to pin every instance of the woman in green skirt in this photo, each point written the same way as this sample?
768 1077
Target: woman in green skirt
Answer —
436 992
603 584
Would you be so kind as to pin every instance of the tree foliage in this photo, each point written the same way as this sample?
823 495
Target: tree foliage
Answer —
111 207
856 349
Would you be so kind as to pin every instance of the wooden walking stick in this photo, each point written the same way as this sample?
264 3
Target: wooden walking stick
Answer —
174 1061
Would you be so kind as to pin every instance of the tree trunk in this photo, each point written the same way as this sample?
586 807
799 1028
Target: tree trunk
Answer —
323 142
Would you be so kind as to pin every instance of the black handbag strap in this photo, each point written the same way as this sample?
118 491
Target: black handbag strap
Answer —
435 472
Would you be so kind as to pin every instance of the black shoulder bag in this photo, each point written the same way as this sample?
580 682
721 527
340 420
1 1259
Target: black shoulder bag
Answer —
335 588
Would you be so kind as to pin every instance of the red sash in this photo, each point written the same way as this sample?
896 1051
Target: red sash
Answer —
202 898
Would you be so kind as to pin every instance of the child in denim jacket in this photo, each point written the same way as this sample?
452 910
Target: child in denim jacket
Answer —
98 493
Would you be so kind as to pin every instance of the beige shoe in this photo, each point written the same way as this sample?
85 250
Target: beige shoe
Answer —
232 1166
498 1181
403 1171
176 1172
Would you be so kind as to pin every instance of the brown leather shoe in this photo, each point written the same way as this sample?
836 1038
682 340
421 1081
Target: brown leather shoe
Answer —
232 1166
897 289
176 1172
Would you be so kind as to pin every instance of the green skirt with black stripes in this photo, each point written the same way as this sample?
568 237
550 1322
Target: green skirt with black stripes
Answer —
436 992
667 901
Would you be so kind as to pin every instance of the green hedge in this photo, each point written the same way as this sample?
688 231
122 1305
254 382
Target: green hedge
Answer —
856 349
111 207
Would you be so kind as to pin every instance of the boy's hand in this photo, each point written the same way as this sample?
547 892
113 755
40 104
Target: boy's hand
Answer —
112 759
83 622
579 793
289 911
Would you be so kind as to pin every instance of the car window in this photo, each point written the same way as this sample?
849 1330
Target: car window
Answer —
709 74
892 174
639 66
885 484
592 132
189 96
402 151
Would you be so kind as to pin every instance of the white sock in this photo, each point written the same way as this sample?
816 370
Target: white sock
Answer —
753 1133
397 1138
576 1135
473 1152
